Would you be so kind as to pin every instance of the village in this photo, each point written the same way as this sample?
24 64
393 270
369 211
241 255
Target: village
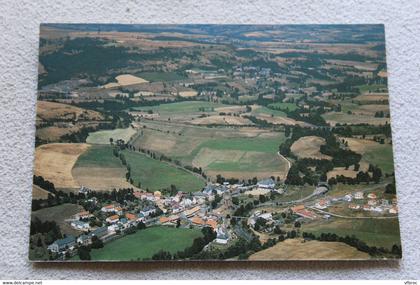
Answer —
215 207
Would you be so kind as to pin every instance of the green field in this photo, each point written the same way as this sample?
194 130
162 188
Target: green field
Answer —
380 155
185 107
143 244
160 76
371 87
375 232
102 137
155 175
265 110
246 144
98 156
284 106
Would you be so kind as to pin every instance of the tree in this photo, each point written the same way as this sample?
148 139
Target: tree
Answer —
97 243
111 141
84 253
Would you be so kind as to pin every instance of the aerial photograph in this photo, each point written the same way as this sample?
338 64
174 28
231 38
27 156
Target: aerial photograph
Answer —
213 142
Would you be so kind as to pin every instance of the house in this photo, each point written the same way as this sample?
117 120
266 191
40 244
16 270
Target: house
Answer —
170 219
348 198
198 221
302 212
131 217
113 219
108 209
147 211
371 196
62 244
322 204
84 190
83 215
192 211
393 210
79 225
212 223
354 206
157 195
359 195
266 216
266 183
222 237
86 239
118 211
366 208
372 202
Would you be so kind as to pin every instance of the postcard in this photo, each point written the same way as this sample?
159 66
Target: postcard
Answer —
213 142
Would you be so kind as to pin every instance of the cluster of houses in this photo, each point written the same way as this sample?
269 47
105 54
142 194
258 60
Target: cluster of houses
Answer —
361 201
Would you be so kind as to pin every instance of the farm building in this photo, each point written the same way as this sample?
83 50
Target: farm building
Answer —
266 184
62 244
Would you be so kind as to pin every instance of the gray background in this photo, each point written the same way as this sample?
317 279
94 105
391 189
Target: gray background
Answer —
18 80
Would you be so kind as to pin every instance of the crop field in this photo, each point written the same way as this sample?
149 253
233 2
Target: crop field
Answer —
59 214
102 137
222 120
99 169
143 244
154 174
55 161
160 76
344 118
284 106
185 108
53 111
309 147
296 249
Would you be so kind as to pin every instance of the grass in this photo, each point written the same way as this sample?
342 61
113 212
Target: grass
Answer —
372 87
102 137
145 243
284 106
375 232
265 110
245 144
185 107
98 156
380 155
160 76
156 175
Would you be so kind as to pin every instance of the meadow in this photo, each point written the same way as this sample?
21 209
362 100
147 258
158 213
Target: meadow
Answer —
143 244
155 175
102 137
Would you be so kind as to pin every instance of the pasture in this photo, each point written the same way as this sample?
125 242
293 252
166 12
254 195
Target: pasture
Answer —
373 232
296 249
145 243
155 175
55 161
102 137
59 214
344 118
100 170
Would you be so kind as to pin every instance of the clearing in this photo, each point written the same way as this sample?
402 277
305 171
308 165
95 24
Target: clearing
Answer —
296 249
145 243
309 147
55 161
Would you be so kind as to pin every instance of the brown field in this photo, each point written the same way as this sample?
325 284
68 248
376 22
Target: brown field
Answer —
39 193
356 64
280 120
309 147
101 178
59 214
360 145
372 97
125 80
222 120
191 93
55 161
55 133
296 249
51 110
231 109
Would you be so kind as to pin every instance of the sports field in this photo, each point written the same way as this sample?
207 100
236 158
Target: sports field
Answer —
155 175
143 244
